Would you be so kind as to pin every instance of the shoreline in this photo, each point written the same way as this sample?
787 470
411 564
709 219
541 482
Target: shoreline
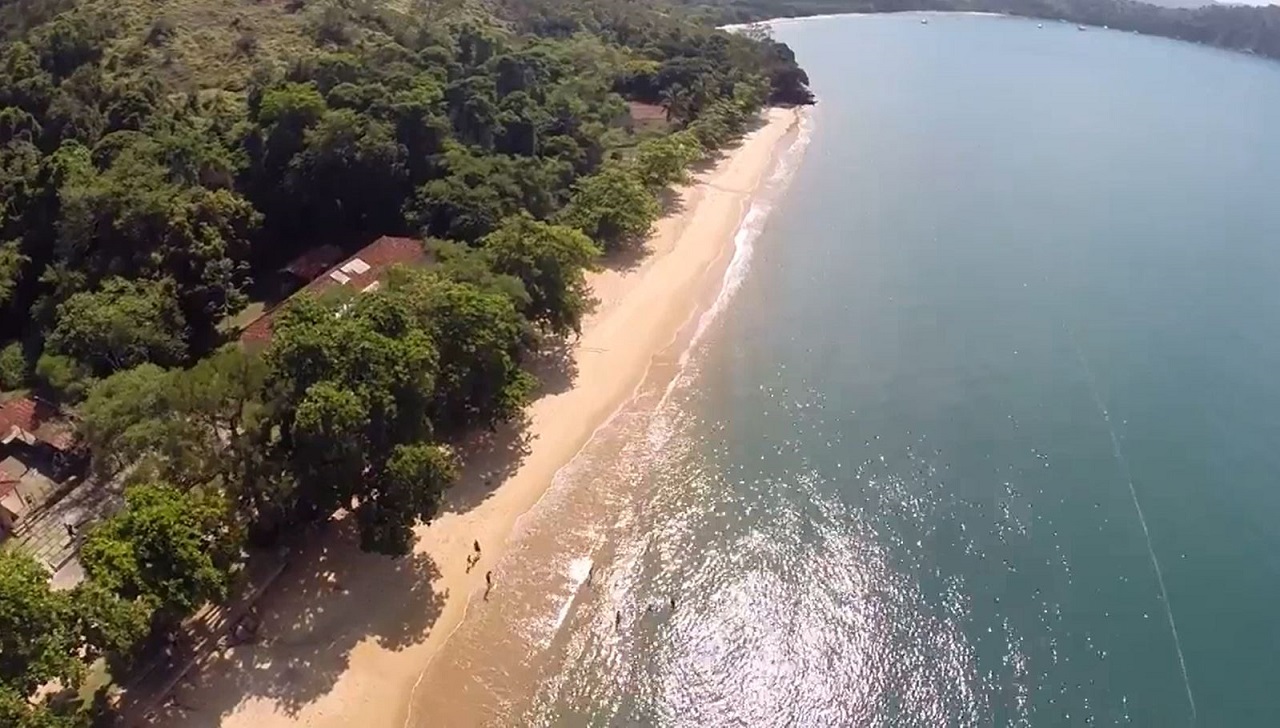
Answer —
792 19
350 642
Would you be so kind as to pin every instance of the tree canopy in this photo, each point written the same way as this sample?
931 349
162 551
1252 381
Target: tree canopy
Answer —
50 636
37 642
169 549
613 207
550 261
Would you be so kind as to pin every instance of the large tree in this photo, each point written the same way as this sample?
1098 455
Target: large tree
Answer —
221 402
122 325
47 636
550 260
170 549
38 642
479 336
128 418
469 201
184 426
613 207
353 384
142 217
12 262
110 626
351 173
410 483
665 160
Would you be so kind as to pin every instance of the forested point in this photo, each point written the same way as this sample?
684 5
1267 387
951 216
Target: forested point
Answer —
1246 28
163 162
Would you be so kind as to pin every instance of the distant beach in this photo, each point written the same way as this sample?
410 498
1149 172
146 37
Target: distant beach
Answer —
786 19
351 647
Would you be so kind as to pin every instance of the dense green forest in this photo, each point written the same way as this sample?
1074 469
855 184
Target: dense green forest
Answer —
162 159
1245 28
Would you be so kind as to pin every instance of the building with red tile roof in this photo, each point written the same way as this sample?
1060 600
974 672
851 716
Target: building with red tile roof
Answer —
31 431
31 420
360 272
312 263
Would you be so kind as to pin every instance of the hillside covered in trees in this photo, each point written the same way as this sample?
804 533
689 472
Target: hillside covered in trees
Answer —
164 159
1251 29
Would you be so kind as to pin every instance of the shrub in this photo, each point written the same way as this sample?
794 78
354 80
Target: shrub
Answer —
13 367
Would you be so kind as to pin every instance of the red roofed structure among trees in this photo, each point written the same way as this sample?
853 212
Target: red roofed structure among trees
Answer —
32 433
31 420
360 272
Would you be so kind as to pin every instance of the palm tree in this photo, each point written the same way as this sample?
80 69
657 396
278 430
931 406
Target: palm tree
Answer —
676 100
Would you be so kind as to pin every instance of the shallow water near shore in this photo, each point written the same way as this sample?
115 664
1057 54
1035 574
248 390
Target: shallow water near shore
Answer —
984 437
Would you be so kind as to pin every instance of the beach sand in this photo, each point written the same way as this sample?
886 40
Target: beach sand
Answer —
346 637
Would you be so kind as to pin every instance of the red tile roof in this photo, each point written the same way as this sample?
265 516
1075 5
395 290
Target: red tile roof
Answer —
312 263
358 273
40 419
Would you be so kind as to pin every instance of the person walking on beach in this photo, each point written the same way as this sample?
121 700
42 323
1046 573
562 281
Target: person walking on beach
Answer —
477 545
488 584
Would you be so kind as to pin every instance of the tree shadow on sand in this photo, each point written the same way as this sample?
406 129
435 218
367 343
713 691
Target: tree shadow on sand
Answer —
671 201
488 459
627 258
489 456
554 366
331 598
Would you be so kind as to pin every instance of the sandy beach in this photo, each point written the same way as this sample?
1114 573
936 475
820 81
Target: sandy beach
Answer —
346 637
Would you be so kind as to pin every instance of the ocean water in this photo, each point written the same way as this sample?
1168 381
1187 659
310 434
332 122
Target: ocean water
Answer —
983 432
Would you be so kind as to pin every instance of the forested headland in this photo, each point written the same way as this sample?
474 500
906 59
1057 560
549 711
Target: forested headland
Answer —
1250 29
161 161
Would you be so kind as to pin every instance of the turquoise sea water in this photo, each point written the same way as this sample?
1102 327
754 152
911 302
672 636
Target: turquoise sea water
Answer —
989 434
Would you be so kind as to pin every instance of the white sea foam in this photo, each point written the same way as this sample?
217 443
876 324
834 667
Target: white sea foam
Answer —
542 631
577 572
744 239
750 228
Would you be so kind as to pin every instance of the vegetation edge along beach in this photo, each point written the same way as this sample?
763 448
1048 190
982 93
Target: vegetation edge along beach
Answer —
274 276
642 313
289 276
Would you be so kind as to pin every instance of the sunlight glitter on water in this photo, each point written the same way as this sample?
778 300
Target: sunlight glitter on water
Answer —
884 492
792 613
